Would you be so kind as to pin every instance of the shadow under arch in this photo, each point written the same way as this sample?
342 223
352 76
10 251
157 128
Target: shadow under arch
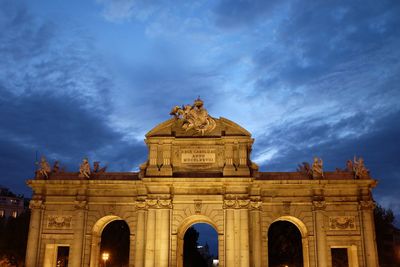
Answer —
186 223
304 235
97 230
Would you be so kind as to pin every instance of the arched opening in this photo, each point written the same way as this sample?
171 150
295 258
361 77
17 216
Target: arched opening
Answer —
115 243
200 246
198 235
110 235
285 245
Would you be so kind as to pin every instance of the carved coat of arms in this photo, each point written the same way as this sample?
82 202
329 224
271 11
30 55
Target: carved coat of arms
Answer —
194 117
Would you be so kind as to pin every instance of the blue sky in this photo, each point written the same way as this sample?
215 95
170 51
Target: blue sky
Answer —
306 78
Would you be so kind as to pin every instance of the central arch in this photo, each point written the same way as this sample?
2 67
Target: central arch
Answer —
96 238
188 222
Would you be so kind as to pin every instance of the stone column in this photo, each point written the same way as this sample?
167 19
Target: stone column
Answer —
36 207
255 234
229 238
244 238
140 238
320 233
77 245
150 238
368 231
163 240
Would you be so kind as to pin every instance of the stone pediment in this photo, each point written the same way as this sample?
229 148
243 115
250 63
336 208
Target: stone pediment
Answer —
174 128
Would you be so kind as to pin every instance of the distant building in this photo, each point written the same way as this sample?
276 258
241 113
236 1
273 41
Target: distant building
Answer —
11 205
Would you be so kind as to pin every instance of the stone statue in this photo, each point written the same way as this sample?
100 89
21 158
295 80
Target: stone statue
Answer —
97 169
305 169
56 167
349 166
360 171
194 117
44 169
317 171
84 169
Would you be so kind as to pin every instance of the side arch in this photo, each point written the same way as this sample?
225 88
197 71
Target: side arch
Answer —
304 235
97 230
185 224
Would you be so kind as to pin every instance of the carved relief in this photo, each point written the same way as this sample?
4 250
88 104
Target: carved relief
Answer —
55 221
342 223
286 207
36 204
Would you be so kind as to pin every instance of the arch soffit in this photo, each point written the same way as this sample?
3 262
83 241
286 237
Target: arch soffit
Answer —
104 221
189 221
296 221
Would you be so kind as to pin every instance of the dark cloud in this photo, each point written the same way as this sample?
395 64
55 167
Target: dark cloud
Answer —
379 147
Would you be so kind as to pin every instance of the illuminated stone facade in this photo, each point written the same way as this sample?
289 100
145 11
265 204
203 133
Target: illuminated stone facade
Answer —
201 172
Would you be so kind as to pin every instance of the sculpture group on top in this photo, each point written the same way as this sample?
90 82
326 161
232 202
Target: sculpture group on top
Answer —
44 170
315 171
194 117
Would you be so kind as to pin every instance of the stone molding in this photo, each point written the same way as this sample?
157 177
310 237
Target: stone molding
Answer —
55 221
342 223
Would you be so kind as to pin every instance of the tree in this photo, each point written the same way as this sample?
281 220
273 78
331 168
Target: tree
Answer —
386 233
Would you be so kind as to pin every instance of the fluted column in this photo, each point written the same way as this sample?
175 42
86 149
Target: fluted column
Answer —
320 232
77 245
229 238
255 234
244 238
36 207
150 238
163 241
140 238
367 217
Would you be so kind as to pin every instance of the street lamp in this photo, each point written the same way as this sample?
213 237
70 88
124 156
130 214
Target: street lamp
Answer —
105 257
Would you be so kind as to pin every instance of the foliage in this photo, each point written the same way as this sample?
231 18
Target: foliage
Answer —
385 236
13 239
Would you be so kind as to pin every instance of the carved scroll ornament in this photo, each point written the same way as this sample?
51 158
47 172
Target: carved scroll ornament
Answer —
342 223
59 221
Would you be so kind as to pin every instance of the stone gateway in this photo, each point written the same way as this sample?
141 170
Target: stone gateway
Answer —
199 171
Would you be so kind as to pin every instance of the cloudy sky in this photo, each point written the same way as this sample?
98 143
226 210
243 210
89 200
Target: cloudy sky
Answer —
306 78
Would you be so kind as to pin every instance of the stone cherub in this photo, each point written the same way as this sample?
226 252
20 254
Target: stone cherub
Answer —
44 169
84 169
317 171
97 169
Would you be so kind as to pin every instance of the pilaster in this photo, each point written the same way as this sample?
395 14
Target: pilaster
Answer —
36 206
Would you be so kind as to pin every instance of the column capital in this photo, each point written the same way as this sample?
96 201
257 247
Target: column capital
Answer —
319 204
81 204
367 205
236 203
154 204
36 204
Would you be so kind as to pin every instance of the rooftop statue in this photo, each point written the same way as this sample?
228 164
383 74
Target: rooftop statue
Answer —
360 171
317 171
44 168
84 169
194 117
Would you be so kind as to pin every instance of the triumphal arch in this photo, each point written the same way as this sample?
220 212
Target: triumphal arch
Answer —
199 169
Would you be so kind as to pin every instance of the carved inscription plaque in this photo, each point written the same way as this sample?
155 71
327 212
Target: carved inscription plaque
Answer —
342 223
198 155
